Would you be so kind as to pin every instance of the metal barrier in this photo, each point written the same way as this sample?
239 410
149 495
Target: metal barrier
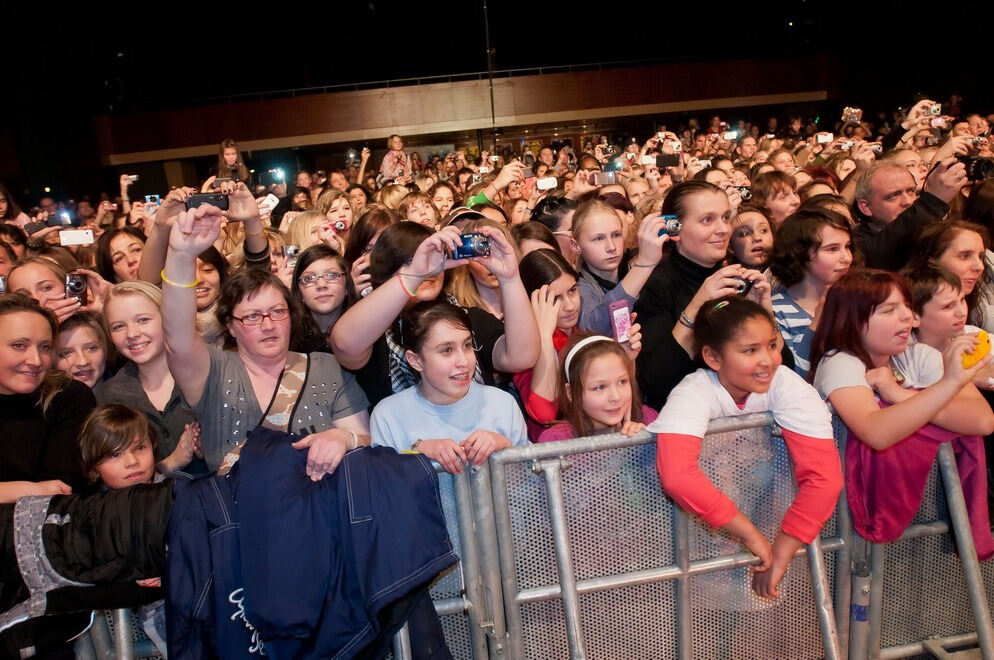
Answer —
597 562
920 595
571 549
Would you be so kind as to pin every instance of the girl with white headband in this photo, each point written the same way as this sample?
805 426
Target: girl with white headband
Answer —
599 393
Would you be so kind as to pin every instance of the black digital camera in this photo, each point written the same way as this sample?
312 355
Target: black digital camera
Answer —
977 168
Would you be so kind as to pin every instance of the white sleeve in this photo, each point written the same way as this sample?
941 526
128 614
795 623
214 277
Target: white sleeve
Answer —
838 371
926 364
797 407
689 408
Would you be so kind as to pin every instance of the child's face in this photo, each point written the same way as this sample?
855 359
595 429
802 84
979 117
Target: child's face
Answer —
832 259
747 363
447 362
602 243
134 465
752 239
944 315
607 392
888 328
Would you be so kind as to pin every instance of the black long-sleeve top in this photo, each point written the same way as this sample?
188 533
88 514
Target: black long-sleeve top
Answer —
890 247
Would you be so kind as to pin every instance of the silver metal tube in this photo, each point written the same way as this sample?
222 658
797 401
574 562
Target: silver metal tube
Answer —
564 557
402 644
100 636
83 648
505 552
823 601
454 605
917 648
875 615
548 450
634 578
489 571
470 559
859 627
681 549
967 552
843 570
124 644
920 530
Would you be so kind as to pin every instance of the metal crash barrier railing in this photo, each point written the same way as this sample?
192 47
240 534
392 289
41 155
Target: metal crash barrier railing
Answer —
580 554
571 550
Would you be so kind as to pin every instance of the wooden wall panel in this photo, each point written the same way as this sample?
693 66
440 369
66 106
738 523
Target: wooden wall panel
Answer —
324 118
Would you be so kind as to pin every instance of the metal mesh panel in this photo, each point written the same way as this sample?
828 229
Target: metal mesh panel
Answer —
632 622
924 592
534 554
728 620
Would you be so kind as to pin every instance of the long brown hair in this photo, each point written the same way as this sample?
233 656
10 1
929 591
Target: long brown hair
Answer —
847 310
572 406
238 169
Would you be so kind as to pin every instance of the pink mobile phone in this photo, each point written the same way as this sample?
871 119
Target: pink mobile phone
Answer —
621 320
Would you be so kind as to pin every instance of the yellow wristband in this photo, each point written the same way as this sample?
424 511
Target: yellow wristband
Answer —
168 281
403 285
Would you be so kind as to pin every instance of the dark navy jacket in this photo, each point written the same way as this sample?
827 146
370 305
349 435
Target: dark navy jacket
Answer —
266 560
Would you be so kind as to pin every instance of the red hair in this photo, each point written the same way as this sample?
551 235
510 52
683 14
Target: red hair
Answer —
848 307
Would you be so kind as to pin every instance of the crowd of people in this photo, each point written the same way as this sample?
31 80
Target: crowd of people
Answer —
454 306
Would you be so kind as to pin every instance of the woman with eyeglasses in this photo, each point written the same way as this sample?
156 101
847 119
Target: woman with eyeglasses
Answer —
231 390
320 284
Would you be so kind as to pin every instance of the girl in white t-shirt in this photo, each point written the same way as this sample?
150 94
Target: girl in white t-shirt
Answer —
738 341
906 399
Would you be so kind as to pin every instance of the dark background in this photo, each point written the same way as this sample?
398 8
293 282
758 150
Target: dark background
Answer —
62 67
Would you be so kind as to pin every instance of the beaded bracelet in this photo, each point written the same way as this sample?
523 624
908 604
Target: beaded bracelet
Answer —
168 281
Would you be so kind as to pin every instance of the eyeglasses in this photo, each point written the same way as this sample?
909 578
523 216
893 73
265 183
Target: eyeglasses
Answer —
255 318
310 279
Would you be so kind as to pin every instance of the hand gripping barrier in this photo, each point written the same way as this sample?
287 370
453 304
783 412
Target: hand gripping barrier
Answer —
578 553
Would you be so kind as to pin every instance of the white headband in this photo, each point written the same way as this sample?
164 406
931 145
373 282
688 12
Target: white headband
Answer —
576 349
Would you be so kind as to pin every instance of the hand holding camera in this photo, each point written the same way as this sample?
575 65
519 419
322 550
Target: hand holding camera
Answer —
511 172
195 230
946 179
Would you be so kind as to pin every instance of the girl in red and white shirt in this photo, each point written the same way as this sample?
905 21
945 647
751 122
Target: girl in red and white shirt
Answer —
737 340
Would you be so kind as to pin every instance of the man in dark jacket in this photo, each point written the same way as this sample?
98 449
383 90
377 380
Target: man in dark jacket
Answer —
892 214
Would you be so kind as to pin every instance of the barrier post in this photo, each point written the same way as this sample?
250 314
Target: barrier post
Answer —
402 644
823 601
876 611
469 561
844 577
491 595
508 574
564 557
681 552
967 551
124 643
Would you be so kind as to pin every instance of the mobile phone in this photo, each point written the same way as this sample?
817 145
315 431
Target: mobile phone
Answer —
153 199
705 162
494 159
76 237
132 178
484 169
547 183
621 320
215 199
770 136
667 160
825 138
730 135
269 202
603 178
661 135
76 287
216 183
648 160
527 172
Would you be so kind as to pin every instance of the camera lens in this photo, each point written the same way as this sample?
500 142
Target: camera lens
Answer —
480 246
75 285
983 168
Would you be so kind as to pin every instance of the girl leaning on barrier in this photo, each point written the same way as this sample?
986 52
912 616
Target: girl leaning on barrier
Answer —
738 341
899 401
